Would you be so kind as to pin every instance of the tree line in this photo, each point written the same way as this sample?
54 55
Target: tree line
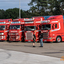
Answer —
37 8
13 13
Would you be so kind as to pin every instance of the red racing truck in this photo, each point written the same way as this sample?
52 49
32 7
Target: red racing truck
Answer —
16 32
32 25
4 29
53 29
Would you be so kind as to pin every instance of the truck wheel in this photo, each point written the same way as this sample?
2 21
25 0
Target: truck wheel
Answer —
58 39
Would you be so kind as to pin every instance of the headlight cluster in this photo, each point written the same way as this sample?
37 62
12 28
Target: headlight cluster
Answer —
50 38
1 33
17 37
3 37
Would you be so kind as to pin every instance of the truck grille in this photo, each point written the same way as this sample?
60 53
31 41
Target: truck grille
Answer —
12 37
45 35
13 33
29 36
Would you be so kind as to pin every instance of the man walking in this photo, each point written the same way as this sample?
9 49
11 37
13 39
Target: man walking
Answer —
41 39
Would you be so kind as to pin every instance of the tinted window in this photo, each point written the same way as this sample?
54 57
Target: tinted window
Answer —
30 28
55 25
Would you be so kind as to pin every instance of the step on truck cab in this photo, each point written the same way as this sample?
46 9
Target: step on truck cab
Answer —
4 29
53 29
16 32
32 25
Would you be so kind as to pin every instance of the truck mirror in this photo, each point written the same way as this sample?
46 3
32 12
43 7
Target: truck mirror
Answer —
20 27
36 27
7 27
53 26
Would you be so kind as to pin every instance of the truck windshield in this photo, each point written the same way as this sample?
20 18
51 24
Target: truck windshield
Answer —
30 28
15 27
2 27
46 27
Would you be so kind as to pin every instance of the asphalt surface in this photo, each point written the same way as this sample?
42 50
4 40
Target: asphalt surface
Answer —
48 49
15 57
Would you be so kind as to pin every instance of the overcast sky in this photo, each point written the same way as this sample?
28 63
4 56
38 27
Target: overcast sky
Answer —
6 4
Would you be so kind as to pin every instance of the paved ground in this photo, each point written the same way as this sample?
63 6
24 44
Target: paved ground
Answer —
17 53
49 49
14 57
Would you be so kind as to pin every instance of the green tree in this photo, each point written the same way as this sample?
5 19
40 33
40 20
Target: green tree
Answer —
47 7
28 14
2 14
62 6
14 13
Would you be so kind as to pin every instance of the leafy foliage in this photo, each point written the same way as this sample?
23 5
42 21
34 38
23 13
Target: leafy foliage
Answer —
47 7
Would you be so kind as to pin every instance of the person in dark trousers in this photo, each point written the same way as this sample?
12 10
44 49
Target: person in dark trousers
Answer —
34 39
41 39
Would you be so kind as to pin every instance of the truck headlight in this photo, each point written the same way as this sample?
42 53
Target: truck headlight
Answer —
50 38
17 37
2 33
3 37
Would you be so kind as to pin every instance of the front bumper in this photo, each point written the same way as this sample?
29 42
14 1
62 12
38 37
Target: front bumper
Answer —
2 37
47 40
28 40
14 38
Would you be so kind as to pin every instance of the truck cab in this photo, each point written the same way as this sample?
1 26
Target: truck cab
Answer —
16 32
53 29
32 25
4 29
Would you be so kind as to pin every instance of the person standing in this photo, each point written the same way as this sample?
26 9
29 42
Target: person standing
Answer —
34 39
41 39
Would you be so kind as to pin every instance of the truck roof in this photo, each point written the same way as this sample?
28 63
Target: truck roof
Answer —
55 17
18 19
38 17
34 19
5 19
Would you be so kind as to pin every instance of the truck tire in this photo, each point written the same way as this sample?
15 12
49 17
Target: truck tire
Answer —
58 39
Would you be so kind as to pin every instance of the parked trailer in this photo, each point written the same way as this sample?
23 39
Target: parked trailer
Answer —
16 32
53 29
4 29
32 25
